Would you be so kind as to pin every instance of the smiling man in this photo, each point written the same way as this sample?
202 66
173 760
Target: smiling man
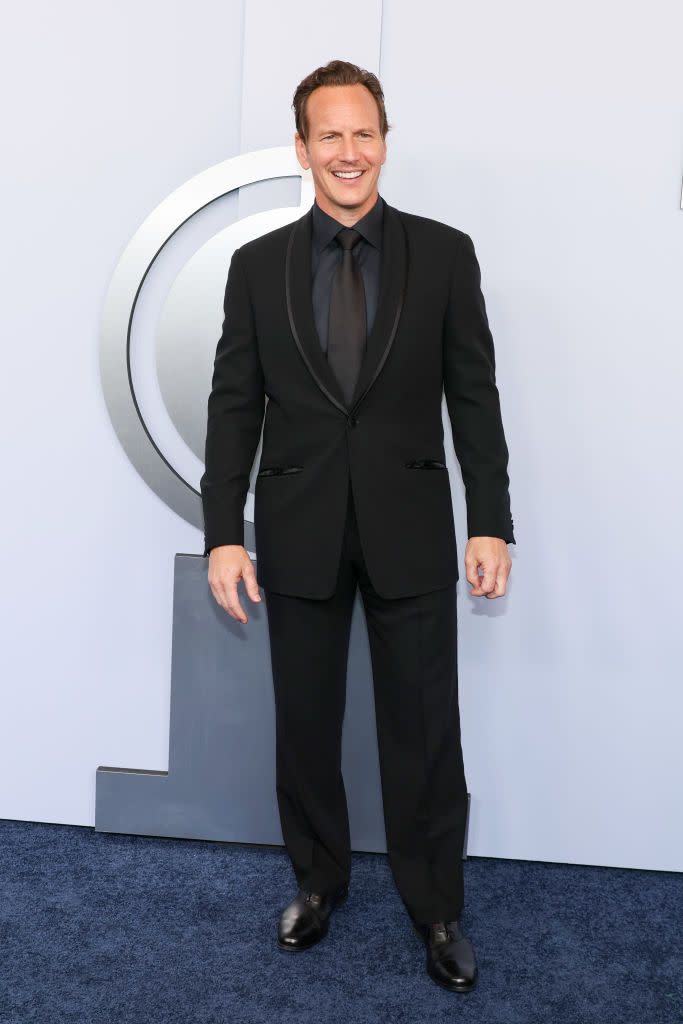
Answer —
354 322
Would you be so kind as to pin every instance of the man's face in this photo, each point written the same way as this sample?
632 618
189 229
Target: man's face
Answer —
343 135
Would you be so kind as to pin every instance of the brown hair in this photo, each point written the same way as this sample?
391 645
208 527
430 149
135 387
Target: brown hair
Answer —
337 72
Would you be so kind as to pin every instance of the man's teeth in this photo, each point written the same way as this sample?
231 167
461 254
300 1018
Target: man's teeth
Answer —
347 174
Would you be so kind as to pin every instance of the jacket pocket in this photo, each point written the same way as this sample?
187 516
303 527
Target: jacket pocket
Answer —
425 464
279 470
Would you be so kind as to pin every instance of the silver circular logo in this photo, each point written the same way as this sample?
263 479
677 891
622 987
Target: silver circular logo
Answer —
156 394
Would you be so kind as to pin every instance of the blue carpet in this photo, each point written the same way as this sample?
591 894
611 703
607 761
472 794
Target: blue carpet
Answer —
97 927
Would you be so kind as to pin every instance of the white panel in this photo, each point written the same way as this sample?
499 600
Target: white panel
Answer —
112 107
552 135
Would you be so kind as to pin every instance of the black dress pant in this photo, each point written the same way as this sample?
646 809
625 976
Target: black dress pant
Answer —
413 648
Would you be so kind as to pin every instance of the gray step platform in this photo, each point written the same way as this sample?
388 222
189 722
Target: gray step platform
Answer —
220 783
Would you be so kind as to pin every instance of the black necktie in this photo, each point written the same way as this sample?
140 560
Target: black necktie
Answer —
347 326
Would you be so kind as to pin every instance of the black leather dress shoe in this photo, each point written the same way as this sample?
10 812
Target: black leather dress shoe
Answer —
306 919
450 956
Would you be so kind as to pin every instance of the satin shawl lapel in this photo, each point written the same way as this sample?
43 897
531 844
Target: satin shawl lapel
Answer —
393 278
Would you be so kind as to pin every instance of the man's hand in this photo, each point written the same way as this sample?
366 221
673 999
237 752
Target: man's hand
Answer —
227 564
491 553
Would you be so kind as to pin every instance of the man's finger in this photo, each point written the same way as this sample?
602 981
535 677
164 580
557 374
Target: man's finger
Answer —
499 589
484 584
472 571
250 582
489 580
234 606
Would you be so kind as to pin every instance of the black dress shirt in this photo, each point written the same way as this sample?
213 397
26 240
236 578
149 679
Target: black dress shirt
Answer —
326 254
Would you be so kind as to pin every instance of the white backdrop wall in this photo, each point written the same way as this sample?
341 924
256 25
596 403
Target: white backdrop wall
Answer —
552 136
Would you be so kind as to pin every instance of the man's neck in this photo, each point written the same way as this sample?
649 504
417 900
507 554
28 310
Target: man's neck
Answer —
347 215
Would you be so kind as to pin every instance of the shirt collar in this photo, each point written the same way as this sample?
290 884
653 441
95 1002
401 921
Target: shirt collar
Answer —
369 226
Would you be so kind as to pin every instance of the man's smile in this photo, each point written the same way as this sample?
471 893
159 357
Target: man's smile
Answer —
348 175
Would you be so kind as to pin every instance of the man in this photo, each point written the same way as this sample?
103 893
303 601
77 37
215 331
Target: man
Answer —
354 321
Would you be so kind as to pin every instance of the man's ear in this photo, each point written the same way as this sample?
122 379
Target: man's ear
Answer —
301 151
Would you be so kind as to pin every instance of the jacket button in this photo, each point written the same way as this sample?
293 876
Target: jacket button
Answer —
353 421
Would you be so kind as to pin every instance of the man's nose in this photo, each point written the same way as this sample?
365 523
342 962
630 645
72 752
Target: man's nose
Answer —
349 151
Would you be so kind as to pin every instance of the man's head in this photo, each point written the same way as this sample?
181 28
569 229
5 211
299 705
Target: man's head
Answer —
341 126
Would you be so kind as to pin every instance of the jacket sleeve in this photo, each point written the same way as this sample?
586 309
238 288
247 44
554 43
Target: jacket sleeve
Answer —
235 416
473 401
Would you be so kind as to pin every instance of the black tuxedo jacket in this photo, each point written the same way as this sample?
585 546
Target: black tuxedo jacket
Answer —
430 336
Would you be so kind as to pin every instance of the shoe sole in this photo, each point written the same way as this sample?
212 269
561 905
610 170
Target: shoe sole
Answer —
449 986
309 945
